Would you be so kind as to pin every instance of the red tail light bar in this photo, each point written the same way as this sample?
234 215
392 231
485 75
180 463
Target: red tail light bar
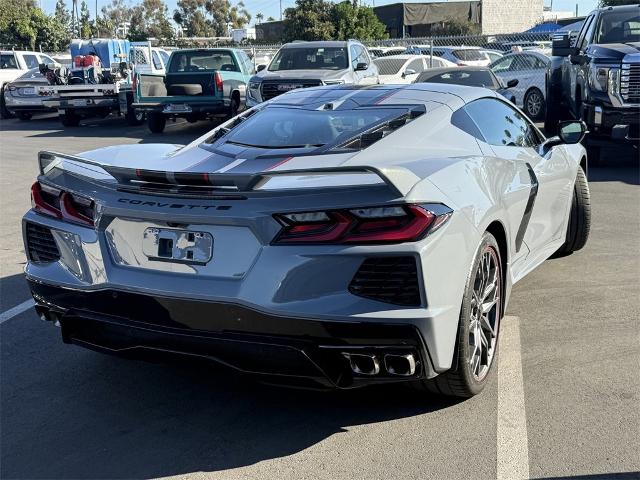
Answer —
385 224
57 203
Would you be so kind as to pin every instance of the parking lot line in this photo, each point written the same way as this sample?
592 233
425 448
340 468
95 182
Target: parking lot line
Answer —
17 310
512 441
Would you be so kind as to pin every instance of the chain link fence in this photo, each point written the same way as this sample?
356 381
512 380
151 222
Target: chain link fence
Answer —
523 57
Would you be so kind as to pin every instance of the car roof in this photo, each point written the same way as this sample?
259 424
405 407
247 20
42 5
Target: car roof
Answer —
619 8
7 52
438 70
405 56
316 44
528 52
384 95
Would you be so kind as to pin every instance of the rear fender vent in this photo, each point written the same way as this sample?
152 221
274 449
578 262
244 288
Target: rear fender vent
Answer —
41 246
388 279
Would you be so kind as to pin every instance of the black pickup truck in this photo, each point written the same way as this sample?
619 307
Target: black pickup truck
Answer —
595 76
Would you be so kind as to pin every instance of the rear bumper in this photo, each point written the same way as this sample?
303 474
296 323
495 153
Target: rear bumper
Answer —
216 107
281 348
82 103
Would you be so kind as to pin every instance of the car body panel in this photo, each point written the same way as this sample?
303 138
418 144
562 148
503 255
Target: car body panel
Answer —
528 68
447 167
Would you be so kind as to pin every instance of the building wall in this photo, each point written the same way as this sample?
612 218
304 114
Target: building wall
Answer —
510 16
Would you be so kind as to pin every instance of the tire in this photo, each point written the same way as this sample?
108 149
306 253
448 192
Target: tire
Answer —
69 118
463 380
534 104
579 218
234 106
4 112
25 117
156 122
134 117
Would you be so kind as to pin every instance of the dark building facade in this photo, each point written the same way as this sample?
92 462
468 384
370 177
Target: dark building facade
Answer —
418 19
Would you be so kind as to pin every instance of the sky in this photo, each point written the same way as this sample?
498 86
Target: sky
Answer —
271 7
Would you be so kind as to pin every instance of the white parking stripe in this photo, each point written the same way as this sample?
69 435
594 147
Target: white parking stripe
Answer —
17 310
512 441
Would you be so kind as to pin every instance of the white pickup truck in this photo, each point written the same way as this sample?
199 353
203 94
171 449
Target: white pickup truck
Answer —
13 64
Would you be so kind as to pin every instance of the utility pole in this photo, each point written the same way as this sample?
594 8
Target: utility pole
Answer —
280 10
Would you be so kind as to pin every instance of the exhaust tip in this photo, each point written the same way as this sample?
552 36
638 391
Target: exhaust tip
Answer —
363 363
402 365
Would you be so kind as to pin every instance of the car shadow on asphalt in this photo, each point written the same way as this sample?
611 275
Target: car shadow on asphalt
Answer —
68 412
180 132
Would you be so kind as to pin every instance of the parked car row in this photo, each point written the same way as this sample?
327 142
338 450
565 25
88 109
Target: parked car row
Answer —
215 83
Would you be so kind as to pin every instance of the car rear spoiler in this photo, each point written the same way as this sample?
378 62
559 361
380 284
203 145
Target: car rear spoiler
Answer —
398 179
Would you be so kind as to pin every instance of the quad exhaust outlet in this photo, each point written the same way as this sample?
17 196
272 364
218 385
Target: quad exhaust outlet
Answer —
369 364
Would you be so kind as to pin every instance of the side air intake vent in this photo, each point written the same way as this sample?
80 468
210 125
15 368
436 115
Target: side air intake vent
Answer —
41 246
388 279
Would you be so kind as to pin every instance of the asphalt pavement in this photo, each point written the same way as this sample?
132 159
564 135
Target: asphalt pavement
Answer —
563 405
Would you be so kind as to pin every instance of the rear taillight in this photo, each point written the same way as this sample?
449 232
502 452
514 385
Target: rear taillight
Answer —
57 203
390 224
217 78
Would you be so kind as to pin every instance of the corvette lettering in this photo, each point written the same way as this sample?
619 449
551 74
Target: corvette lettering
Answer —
133 201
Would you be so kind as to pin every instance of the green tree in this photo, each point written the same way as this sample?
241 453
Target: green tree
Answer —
150 20
63 15
116 18
259 17
224 15
24 25
239 16
354 21
85 25
309 20
270 19
191 16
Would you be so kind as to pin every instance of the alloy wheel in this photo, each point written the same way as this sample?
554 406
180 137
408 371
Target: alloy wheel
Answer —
485 314
534 104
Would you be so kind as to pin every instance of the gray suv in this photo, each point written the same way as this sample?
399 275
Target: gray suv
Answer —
311 64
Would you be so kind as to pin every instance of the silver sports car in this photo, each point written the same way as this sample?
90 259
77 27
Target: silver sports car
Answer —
336 235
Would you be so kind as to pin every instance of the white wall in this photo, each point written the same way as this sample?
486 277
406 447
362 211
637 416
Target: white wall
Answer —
510 16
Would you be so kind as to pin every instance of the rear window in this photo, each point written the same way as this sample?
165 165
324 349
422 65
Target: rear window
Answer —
389 66
277 127
310 58
470 78
199 61
8 61
469 55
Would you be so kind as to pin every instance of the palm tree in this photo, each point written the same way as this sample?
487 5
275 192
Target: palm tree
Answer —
259 17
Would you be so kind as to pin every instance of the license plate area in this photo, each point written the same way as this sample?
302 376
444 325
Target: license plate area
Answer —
178 246
177 108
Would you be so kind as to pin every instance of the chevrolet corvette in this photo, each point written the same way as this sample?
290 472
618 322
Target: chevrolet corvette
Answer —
337 236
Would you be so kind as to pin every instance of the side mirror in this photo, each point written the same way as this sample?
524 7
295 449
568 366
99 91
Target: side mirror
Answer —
578 59
561 45
513 83
569 132
572 131
408 71
259 68
361 66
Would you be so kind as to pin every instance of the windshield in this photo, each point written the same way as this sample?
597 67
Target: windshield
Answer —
470 78
310 58
277 127
202 61
618 27
469 55
389 66
8 61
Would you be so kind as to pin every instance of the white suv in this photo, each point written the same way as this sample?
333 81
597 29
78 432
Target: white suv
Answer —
311 64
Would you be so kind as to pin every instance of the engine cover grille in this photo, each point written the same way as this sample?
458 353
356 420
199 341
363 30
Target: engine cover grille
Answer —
271 89
388 279
41 246
630 82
